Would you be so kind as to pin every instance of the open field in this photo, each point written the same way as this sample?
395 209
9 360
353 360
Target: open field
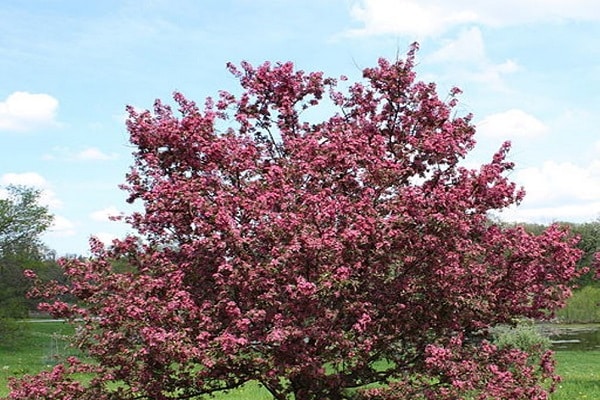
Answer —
42 342
36 347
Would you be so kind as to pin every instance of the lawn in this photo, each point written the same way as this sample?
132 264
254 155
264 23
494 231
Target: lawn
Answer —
37 346
42 342
580 371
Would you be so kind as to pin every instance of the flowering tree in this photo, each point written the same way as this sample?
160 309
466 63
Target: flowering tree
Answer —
315 258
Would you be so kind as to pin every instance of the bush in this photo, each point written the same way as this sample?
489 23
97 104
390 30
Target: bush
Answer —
524 336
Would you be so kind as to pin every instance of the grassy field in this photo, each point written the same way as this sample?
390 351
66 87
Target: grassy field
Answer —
580 371
37 346
42 343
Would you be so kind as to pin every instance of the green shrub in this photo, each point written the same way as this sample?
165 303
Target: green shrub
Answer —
524 336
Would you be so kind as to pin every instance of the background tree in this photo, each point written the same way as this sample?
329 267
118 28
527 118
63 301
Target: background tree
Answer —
22 221
589 243
314 257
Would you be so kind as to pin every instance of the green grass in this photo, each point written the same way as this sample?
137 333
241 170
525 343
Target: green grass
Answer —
250 391
39 345
43 343
580 371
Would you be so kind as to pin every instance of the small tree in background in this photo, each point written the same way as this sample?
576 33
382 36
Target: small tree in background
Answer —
312 257
22 220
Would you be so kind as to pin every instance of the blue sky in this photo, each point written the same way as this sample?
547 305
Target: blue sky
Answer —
529 69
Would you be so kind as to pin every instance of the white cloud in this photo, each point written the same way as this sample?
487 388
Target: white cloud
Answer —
492 75
106 237
425 18
62 227
558 192
26 179
467 47
406 17
23 111
511 124
545 215
561 181
33 179
105 214
465 58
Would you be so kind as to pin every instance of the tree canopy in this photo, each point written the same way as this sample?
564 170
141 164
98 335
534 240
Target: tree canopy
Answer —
314 257
22 220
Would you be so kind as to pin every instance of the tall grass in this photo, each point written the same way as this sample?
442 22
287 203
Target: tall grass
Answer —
583 307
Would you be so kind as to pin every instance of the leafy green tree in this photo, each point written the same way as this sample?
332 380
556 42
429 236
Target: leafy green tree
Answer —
22 220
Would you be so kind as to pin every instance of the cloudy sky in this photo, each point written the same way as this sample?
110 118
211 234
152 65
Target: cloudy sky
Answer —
529 69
